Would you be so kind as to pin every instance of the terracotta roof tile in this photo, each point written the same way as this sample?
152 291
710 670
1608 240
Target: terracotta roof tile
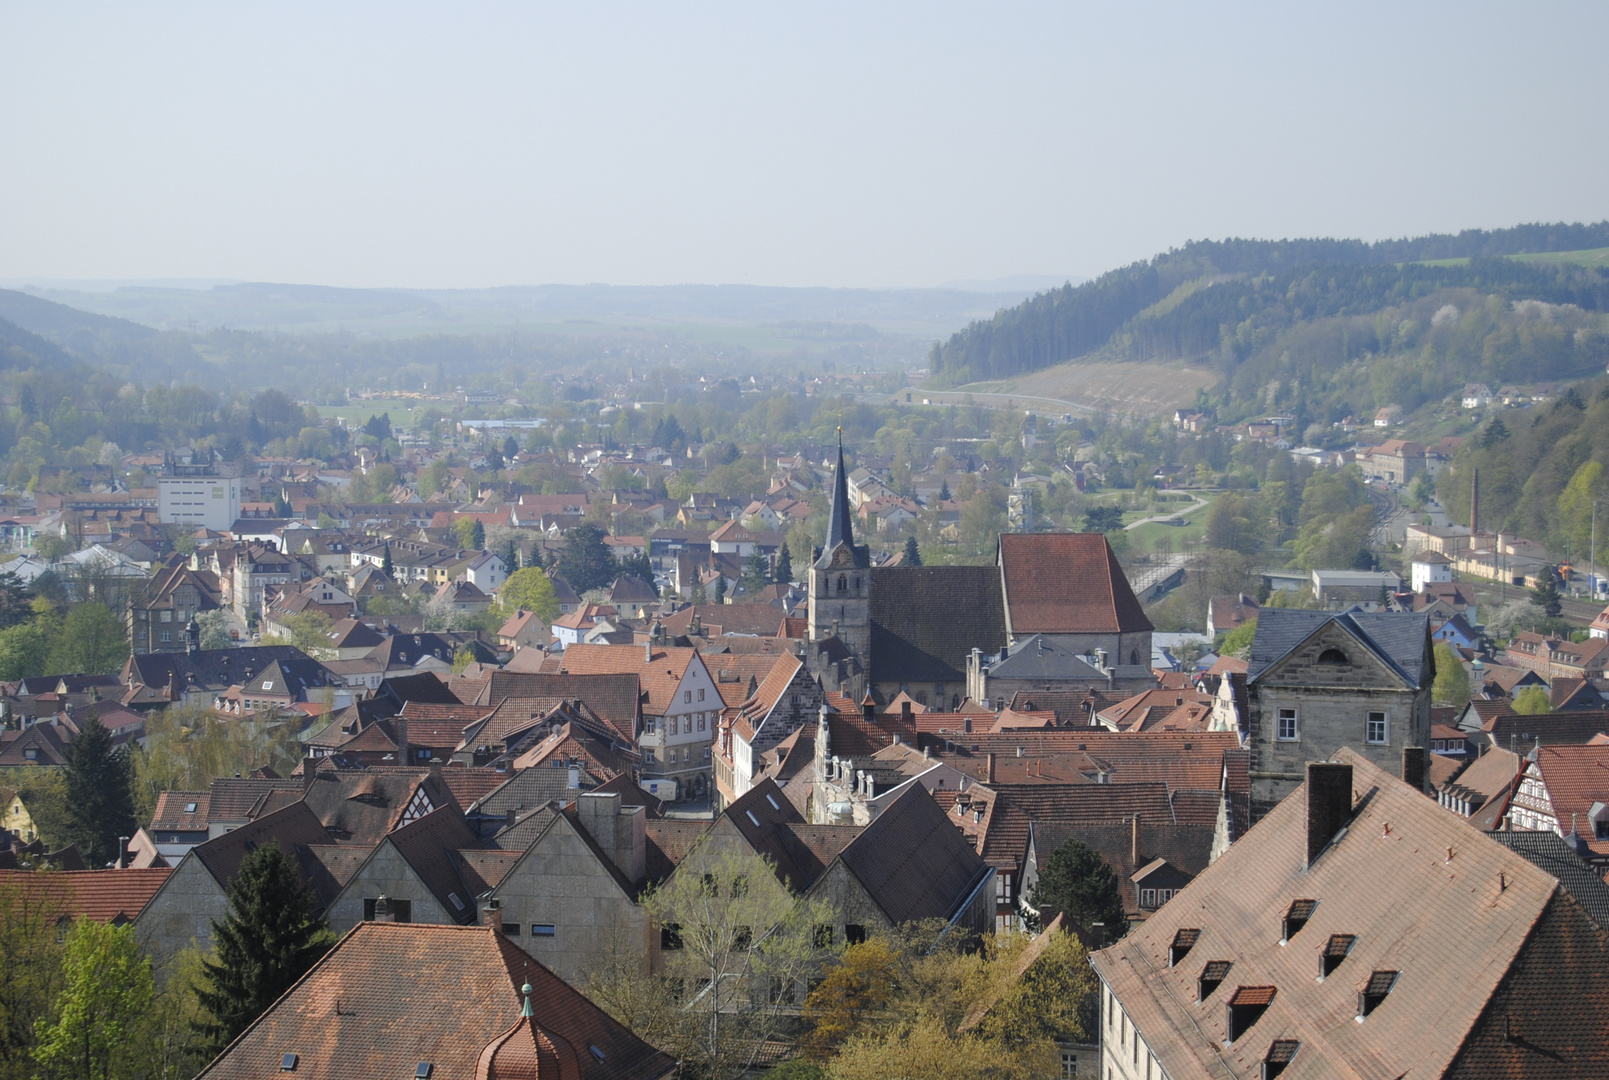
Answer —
1067 583
102 895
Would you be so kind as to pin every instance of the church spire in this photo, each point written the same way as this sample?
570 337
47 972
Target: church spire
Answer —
840 524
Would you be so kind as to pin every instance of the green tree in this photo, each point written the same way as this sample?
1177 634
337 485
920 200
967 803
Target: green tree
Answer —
105 999
913 554
1546 595
464 532
720 589
386 566
91 641
30 971
1585 488
586 562
16 606
1076 882
1103 519
529 589
1232 525
1452 681
267 941
214 627
100 792
24 648
756 574
1533 701
1237 642
784 571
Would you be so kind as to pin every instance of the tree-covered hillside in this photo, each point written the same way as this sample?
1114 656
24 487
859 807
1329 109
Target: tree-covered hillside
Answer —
1297 324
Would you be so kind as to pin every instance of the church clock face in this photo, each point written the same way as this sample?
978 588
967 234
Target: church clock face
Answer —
843 557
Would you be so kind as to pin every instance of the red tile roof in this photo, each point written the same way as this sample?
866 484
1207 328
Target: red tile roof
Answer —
102 895
1066 583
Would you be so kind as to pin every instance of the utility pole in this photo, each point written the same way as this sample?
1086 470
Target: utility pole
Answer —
1592 559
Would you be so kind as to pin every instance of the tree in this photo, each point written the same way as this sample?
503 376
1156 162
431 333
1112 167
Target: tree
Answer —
100 792
1238 641
944 491
1103 519
267 941
913 554
529 589
24 648
214 627
16 606
188 746
586 562
784 570
30 973
386 567
91 641
859 987
756 574
743 945
1452 681
927 1050
1533 701
720 589
106 996
1546 595
1077 883
510 554
464 531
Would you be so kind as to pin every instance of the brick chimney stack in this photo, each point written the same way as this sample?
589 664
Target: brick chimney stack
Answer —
1329 804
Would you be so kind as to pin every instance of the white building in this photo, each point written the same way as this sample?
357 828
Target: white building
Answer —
197 494
1430 567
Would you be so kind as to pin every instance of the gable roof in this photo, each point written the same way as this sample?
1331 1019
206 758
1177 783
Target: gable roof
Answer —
114 896
1066 583
293 827
926 620
392 979
659 670
1400 640
427 844
913 863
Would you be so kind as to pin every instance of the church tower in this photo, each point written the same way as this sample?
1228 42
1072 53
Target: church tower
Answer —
841 577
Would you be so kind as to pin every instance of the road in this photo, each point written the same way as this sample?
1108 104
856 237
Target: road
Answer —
1170 515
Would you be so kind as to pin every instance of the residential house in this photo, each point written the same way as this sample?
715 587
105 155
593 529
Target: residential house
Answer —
784 702
1553 657
1226 613
1310 948
160 609
524 629
1318 682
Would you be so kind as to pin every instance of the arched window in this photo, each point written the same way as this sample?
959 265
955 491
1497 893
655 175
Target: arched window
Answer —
842 583
1333 656
857 584
1134 656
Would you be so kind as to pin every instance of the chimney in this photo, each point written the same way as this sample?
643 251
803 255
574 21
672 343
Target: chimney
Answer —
648 652
122 852
1413 767
618 830
403 757
989 774
574 782
1329 804
905 712
492 915
1134 844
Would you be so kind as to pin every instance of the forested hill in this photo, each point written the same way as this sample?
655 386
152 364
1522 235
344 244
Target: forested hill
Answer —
1312 304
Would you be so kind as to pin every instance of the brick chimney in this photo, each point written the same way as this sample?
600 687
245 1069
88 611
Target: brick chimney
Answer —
1329 804
1413 767
492 914
989 769
1134 843
401 727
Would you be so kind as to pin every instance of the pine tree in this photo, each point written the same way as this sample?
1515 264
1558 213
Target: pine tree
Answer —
784 572
100 793
720 589
477 536
1546 595
385 563
944 491
913 554
1077 883
267 941
510 556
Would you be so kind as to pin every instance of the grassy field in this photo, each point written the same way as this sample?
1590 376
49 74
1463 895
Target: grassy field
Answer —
358 412
1591 257
1124 388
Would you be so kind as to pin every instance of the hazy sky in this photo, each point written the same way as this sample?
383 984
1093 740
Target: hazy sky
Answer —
858 144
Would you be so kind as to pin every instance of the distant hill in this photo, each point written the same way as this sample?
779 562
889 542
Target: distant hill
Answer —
1294 313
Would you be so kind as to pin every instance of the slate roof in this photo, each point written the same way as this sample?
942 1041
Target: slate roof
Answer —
391 981
1398 639
1038 657
427 845
1549 851
361 806
423 687
912 862
1066 583
616 696
294 827
219 669
1518 731
108 896
926 620
1525 961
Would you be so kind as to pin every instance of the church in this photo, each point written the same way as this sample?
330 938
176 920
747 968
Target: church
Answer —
915 629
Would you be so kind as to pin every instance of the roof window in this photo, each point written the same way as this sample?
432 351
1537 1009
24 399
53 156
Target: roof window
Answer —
1374 992
1333 656
1281 1052
1183 942
288 1063
772 799
1296 918
190 807
753 818
423 1070
1334 952
457 901
1212 977
596 1052
1245 1008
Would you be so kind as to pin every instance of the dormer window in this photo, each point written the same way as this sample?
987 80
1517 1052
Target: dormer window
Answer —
1245 1008
1296 918
1183 941
1281 1052
1335 951
1333 656
1374 992
1211 977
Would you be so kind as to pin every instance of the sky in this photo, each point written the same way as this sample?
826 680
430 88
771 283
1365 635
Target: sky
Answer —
861 144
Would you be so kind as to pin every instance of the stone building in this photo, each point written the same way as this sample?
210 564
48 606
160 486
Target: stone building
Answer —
1319 681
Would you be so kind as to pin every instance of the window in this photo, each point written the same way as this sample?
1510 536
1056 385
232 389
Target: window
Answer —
1332 656
687 697
843 583
1069 1065
1375 991
701 693
854 933
166 635
649 757
31 754
701 720
288 1063
1148 898
1287 725
1377 730
670 936
511 929
674 726
166 616
823 936
541 929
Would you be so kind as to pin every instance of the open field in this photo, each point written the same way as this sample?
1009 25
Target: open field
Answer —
1120 388
1591 257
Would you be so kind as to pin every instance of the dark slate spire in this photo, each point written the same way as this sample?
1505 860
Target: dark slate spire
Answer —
840 524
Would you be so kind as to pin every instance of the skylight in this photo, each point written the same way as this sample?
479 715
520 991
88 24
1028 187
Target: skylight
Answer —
596 1052
772 799
288 1063
457 903
753 818
190 807
423 1070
